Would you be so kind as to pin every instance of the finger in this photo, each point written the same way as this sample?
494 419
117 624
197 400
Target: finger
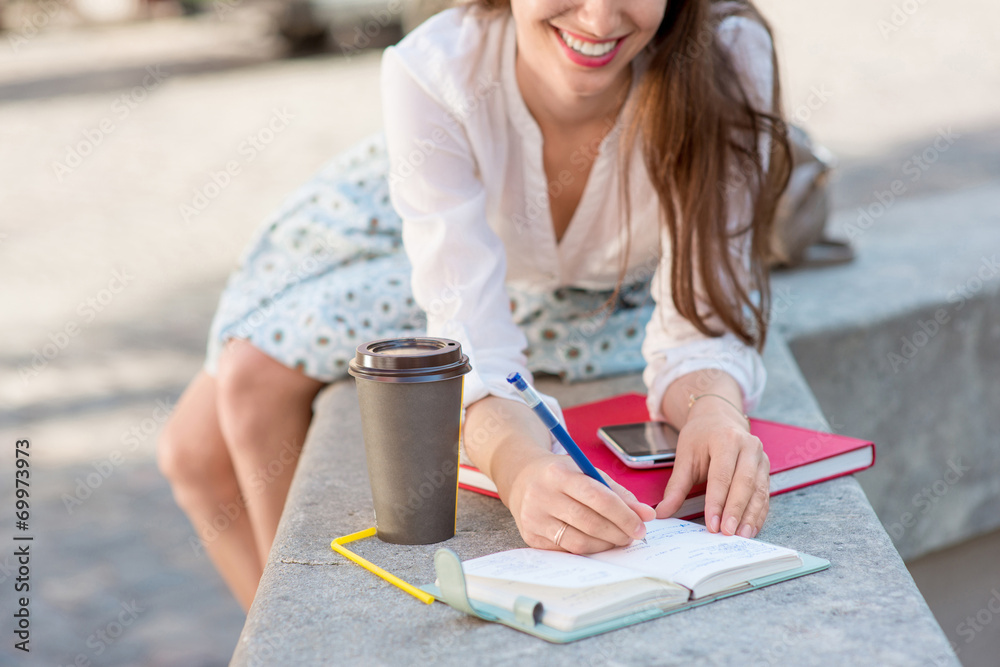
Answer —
589 522
573 503
742 488
578 542
617 522
756 511
570 496
645 512
678 487
720 477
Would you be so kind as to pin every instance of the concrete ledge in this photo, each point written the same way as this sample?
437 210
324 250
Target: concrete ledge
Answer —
901 347
316 608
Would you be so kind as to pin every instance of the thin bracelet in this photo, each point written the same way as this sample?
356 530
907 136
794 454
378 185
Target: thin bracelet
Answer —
695 398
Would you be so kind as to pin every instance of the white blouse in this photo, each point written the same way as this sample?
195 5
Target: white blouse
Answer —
467 178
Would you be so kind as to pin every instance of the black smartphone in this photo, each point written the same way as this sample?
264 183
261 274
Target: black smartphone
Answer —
643 445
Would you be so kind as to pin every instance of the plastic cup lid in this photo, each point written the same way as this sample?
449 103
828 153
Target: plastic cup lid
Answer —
409 360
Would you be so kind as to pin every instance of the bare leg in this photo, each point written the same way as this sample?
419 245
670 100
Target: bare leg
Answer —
264 412
193 455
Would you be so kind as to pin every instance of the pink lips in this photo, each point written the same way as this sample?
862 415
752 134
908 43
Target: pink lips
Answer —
584 60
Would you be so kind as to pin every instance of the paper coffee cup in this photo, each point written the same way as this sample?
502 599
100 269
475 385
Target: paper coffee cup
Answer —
410 393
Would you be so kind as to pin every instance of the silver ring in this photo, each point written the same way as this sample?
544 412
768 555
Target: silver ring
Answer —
560 533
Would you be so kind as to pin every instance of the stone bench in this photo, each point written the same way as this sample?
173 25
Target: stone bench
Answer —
903 347
314 607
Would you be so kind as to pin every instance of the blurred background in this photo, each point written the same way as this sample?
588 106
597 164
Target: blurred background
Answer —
119 225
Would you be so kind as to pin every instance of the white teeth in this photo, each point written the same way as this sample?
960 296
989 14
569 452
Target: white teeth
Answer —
587 48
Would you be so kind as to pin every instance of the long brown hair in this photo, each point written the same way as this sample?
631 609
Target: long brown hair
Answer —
701 137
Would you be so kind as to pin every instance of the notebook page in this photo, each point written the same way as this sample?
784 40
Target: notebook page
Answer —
686 553
547 568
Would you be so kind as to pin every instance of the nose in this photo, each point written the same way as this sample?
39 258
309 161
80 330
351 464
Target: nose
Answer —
601 18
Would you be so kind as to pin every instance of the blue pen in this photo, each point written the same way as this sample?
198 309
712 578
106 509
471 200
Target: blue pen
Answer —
535 402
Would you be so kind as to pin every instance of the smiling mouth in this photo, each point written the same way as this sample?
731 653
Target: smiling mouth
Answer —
592 49
587 48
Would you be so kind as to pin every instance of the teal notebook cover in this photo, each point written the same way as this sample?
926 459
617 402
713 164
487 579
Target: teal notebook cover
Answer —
527 612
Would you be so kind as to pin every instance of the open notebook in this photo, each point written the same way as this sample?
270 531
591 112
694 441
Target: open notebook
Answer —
563 597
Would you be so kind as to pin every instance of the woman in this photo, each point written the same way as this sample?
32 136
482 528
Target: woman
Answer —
564 172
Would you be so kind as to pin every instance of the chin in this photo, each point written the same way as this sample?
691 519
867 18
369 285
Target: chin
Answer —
587 81
586 84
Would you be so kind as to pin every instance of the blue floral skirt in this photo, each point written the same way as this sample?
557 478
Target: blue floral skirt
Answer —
328 272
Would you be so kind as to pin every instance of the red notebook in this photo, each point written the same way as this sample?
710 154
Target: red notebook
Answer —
799 457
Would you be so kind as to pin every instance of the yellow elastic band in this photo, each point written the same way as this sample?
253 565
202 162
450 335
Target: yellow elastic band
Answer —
336 545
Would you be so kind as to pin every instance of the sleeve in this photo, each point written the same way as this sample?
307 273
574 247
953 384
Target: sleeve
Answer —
458 261
673 347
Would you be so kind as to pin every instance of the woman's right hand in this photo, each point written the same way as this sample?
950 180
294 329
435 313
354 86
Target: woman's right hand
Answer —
550 490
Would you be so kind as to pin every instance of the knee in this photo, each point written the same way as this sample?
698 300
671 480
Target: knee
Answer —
186 460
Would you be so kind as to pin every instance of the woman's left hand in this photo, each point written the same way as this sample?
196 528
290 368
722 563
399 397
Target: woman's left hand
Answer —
718 449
